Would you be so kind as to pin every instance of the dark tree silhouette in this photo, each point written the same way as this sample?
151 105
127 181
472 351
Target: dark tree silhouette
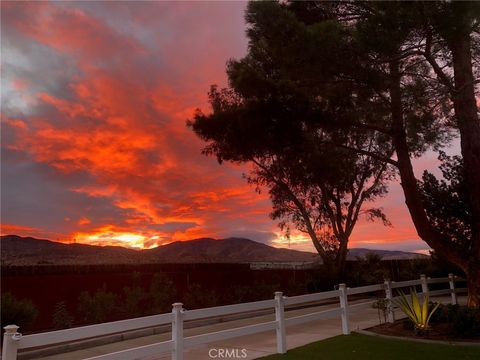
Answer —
447 204
404 71
318 189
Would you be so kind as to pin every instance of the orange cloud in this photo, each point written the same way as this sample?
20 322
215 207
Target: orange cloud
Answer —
8 229
110 86
83 221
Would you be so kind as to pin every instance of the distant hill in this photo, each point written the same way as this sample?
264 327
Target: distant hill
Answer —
16 250
384 254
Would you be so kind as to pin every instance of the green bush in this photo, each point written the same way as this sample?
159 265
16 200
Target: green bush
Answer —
17 312
162 293
199 297
264 290
444 313
134 296
61 317
235 294
463 322
97 307
133 300
466 323
369 270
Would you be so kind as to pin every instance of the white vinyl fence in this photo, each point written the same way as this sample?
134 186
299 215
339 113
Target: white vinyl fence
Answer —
14 341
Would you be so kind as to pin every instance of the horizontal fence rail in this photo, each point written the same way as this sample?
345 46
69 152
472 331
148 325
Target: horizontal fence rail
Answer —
365 289
301 299
402 284
228 309
85 332
14 341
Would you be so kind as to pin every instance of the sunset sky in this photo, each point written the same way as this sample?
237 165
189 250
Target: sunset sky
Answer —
95 96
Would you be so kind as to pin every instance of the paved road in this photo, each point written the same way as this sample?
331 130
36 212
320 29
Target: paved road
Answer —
362 316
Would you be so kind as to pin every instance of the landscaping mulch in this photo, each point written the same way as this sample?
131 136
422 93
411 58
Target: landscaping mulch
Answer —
437 332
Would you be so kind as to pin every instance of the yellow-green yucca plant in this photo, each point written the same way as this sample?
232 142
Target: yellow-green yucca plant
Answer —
419 314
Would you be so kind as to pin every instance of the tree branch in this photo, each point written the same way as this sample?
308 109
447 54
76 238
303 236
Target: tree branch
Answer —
368 153
444 79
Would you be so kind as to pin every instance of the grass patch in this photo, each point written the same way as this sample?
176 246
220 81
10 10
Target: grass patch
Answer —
364 347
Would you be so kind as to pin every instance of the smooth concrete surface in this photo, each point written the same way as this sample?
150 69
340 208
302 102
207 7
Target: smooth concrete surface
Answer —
256 345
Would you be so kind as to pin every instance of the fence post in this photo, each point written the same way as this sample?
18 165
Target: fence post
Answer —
451 281
10 342
389 297
423 279
177 331
280 319
344 305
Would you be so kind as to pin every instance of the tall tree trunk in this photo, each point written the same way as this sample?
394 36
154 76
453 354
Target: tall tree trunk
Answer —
407 175
473 284
342 255
465 106
470 264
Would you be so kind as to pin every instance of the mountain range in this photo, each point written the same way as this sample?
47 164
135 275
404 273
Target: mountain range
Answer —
17 250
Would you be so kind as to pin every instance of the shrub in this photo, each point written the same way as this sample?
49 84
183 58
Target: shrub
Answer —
97 307
444 314
132 302
466 323
199 297
162 293
369 270
235 294
463 322
320 280
382 305
134 296
17 312
264 290
61 317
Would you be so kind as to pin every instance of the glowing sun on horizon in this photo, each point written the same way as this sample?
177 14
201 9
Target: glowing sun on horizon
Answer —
114 238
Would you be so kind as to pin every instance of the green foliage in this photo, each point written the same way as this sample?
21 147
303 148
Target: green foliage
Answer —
321 280
97 307
199 297
133 297
382 305
20 312
369 270
418 313
308 121
466 323
265 290
463 322
446 201
412 269
61 317
286 96
236 294
162 293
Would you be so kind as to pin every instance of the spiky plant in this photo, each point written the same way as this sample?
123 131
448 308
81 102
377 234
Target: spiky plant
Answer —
418 313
